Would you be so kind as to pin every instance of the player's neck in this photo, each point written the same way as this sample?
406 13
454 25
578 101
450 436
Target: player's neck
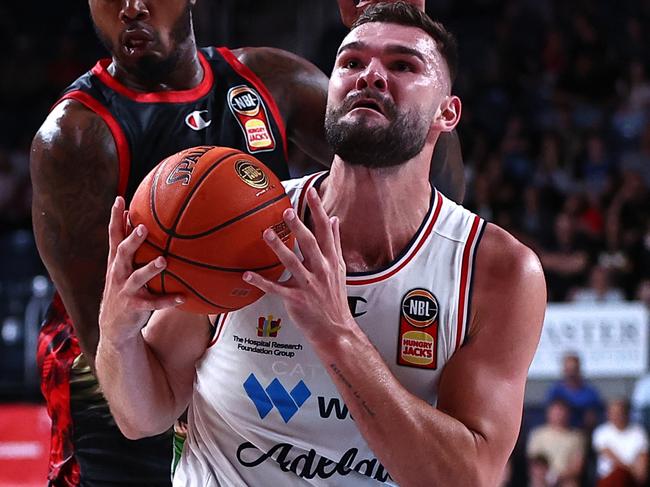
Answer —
379 209
186 72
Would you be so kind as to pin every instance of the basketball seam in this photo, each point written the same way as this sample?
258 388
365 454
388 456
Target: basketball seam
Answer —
209 266
197 294
225 224
180 211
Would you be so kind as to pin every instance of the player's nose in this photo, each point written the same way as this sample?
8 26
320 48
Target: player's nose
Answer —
374 76
134 10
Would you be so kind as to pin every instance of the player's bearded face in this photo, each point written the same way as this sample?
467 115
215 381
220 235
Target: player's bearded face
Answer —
163 56
360 143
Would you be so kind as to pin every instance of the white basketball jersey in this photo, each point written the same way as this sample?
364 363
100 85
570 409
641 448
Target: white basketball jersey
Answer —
264 411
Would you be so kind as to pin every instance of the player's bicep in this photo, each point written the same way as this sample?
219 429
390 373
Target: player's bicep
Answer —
178 340
483 384
74 174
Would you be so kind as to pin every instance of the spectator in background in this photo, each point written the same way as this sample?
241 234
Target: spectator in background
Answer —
566 259
622 448
599 289
640 401
643 292
596 165
583 399
562 446
538 472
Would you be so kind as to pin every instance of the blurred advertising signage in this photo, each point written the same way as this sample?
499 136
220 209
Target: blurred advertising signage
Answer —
610 339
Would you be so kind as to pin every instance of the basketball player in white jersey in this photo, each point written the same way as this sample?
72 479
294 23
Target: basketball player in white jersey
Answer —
397 351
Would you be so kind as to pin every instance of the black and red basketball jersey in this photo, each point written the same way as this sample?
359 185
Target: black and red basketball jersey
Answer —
230 107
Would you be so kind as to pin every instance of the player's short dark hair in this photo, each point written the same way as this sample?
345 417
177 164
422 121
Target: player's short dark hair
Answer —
403 13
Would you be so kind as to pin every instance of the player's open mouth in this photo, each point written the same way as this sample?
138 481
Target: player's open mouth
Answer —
136 41
368 103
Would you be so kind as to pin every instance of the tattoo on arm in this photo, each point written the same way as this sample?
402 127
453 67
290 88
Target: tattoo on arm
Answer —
339 373
74 173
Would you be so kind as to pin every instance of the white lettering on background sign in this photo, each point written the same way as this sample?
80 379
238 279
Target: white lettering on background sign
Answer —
611 340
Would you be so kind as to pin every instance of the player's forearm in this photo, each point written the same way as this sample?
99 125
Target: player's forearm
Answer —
135 385
82 306
418 444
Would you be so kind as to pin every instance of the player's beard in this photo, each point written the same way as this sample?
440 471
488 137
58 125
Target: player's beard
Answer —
376 146
151 69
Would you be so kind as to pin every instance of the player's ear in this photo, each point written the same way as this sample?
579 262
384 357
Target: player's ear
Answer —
448 114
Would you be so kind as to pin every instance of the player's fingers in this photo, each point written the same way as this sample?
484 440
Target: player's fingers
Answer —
322 227
336 231
115 228
306 240
144 274
266 285
348 11
123 263
161 302
286 256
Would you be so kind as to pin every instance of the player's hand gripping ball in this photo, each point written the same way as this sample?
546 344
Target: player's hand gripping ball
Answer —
205 209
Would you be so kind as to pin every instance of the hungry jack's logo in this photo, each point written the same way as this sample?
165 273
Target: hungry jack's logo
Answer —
268 327
418 330
248 108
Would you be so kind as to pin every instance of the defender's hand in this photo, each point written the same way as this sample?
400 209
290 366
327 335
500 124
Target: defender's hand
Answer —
315 296
126 303
351 9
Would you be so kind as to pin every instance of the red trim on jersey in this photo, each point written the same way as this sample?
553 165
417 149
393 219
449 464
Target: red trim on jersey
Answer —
219 329
412 254
245 72
464 280
303 193
173 96
122 145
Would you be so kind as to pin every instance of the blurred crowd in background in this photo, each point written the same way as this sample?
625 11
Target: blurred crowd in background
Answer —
555 134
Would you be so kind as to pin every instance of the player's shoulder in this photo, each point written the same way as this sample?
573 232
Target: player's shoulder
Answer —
72 123
71 128
291 79
508 280
505 261
264 60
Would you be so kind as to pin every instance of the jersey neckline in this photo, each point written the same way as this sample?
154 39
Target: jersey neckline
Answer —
173 96
404 257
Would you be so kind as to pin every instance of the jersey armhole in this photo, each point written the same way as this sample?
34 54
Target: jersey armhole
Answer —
121 143
467 280
217 328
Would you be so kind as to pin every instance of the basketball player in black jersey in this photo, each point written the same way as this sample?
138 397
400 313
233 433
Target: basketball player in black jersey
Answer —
156 95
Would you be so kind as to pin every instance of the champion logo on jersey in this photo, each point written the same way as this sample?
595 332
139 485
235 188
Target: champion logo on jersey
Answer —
286 402
418 330
268 327
197 120
357 306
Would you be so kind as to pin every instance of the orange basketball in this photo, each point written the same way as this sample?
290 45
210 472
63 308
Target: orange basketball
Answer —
205 209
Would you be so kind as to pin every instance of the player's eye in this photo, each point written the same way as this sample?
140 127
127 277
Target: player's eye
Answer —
402 66
351 64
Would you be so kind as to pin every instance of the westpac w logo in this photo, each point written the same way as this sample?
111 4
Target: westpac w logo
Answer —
286 402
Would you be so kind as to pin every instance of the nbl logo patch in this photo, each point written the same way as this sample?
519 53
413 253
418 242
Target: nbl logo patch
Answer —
418 330
248 108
